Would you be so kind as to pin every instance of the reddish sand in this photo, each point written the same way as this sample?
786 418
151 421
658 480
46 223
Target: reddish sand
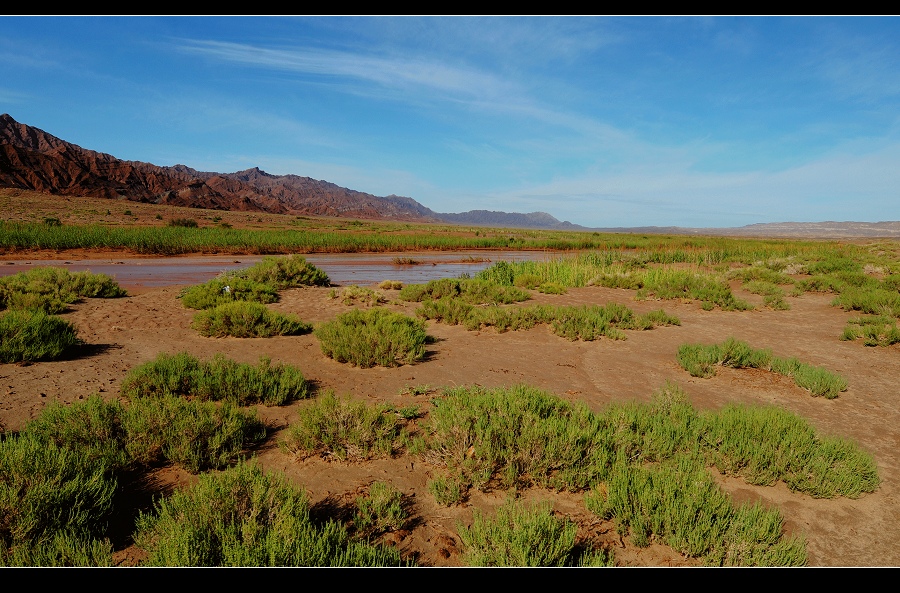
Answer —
123 333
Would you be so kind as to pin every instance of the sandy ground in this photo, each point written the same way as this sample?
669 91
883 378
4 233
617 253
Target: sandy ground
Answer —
123 333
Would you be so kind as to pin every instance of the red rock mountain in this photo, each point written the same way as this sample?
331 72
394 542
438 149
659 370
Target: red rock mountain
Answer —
33 159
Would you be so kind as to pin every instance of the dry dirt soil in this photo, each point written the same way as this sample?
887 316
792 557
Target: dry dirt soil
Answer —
123 333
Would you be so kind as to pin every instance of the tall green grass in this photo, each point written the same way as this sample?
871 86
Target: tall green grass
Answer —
218 379
701 361
379 237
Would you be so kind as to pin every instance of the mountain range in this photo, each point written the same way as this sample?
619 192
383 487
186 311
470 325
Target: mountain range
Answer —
33 159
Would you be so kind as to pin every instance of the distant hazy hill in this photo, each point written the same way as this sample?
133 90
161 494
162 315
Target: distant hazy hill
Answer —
33 159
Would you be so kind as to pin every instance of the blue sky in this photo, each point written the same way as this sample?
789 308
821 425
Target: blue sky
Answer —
605 122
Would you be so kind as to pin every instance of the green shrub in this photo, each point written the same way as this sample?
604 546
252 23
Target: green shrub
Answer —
93 427
59 549
471 291
586 322
700 361
390 285
47 491
53 289
367 296
187 223
242 319
874 301
285 272
29 336
515 437
766 444
552 288
761 275
523 535
875 330
227 289
373 337
195 435
678 502
665 283
219 379
380 510
344 430
530 281
245 517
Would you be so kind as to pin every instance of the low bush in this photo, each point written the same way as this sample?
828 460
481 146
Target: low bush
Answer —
55 503
760 274
93 427
29 336
875 330
242 319
187 223
679 503
373 337
343 430
472 291
773 296
227 289
219 379
352 294
380 510
525 535
765 445
285 272
701 361
587 322
552 288
54 289
245 517
874 301
196 435
666 283
259 283
390 285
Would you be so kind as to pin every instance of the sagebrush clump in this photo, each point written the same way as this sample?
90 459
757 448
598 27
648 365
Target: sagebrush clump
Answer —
373 337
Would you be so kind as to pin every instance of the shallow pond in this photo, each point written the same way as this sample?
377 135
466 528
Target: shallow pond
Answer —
343 268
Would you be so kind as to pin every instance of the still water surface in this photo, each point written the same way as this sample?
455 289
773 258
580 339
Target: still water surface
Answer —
343 268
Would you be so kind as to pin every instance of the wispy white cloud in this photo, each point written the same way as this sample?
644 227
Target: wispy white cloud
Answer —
394 72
